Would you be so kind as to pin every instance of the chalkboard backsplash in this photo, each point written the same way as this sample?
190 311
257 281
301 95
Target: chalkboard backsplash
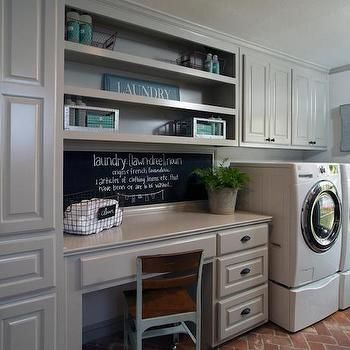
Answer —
137 178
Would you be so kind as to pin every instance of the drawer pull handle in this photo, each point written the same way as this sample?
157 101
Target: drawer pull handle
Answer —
245 239
245 311
245 271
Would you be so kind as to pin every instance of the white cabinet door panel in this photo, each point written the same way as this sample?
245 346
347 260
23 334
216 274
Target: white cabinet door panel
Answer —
320 112
27 115
302 118
23 46
281 96
28 325
255 96
26 165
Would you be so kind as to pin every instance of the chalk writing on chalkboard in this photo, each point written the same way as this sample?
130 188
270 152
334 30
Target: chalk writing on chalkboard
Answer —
139 178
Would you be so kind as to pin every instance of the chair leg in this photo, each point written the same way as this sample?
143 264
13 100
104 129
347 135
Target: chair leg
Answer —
176 338
198 335
126 343
138 340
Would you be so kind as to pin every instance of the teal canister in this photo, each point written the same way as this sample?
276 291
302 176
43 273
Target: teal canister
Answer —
73 26
85 36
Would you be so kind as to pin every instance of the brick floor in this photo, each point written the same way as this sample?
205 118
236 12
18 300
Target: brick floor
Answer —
333 333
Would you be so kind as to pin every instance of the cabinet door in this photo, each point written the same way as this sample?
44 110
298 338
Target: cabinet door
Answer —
320 112
301 109
27 105
28 324
255 98
281 109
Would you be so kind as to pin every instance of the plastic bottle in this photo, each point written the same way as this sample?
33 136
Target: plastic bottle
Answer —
80 116
73 26
208 64
216 65
85 33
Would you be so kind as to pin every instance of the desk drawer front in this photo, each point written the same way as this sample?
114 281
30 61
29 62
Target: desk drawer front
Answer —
242 270
26 265
231 241
121 263
242 312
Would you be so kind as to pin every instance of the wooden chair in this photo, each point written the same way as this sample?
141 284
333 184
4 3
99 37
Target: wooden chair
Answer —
163 298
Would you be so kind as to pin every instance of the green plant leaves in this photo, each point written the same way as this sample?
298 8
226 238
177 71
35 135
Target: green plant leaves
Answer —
221 177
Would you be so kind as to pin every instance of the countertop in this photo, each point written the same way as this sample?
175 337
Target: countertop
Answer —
147 227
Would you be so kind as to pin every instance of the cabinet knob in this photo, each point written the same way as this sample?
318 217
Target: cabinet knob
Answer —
245 311
312 142
245 239
273 140
268 139
245 271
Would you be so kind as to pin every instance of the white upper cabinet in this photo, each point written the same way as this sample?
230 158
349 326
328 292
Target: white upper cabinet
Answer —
255 98
320 111
280 112
27 99
310 108
301 108
266 100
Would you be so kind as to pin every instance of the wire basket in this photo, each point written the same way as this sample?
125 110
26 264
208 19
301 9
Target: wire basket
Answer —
84 214
103 39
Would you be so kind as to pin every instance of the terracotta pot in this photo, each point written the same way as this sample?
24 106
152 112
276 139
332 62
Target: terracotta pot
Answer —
222 201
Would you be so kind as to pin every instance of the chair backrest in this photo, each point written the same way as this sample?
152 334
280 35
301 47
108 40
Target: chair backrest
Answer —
173 270
168 271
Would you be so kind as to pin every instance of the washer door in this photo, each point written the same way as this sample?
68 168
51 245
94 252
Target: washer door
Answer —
321 217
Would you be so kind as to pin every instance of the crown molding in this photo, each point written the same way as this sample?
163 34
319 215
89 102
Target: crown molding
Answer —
340 69
130 11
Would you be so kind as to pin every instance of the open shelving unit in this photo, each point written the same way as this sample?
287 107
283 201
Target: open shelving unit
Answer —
113 59
142 53
149 101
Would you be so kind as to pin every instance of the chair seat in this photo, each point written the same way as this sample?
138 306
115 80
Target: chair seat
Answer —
161 302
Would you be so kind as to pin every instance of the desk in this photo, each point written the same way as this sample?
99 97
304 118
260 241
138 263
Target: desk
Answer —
107 259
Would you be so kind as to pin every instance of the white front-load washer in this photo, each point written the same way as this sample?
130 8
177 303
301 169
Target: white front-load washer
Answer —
304 200
344 291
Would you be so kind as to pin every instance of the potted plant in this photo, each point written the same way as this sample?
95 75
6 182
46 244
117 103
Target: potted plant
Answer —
222 184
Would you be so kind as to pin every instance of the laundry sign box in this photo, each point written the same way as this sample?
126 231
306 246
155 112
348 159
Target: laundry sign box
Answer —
124 85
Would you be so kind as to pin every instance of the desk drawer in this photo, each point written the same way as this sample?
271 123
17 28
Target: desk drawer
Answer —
242 270
242 312
231 241
121 263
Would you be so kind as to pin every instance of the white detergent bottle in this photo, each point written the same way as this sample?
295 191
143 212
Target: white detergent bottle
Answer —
208 64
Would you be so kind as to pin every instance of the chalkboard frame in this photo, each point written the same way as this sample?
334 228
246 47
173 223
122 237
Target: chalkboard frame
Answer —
209 156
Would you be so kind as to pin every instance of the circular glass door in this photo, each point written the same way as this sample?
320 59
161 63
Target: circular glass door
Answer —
321 216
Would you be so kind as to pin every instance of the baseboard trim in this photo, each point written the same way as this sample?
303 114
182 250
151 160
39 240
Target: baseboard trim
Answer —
102 329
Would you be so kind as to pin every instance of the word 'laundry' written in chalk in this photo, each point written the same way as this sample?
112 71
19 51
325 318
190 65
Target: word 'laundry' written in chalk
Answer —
134 161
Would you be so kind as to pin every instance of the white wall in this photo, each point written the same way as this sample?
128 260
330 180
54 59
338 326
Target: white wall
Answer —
256 154
339 94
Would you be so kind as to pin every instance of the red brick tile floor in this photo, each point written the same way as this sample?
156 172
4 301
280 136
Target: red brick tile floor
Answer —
333 333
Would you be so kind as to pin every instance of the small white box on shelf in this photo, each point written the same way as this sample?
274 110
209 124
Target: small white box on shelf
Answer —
212 128
85 118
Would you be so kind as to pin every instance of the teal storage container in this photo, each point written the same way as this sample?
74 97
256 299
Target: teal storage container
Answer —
85 32
73 26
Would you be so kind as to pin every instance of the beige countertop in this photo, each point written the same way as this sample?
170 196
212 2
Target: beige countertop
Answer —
154 226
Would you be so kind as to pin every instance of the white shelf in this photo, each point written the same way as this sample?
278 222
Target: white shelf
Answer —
148 101
139 138
118 60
